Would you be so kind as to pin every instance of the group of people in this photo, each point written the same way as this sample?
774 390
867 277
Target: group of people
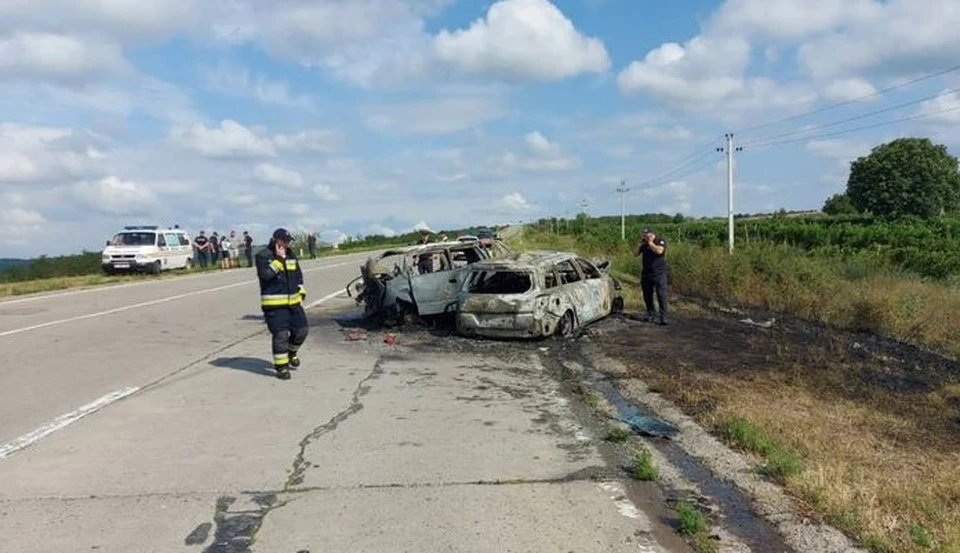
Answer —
222 249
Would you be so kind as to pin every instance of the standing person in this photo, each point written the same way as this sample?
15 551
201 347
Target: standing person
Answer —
248 248
653 274
281 300
201 243
234 249
312 245
225 249
214 246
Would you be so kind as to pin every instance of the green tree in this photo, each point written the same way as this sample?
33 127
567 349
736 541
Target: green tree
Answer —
908 176
839 204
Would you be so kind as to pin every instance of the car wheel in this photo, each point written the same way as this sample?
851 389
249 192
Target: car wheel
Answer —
567 325
155 268
617 306
188 265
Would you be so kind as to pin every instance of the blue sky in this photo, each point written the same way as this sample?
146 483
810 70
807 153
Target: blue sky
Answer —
379 116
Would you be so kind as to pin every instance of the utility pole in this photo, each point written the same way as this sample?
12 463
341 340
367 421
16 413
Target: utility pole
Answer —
583 209
623 225
729 150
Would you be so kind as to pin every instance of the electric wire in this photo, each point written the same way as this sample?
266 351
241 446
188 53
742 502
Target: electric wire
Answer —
849 119
855 129
851 101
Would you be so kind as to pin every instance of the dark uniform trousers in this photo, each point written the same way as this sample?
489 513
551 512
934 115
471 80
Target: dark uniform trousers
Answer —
281 298
289 329
655 283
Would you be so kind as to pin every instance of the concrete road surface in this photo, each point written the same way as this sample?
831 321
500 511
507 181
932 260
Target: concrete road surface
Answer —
145 418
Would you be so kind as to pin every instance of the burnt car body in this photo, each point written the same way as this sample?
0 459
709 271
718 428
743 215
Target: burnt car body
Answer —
535 295
403 284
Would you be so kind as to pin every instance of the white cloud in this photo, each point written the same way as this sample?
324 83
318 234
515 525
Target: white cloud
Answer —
57 58
326 193
31 154
516 202
129 20
422 226
236 81
272 174
520 40
380 230
18 224
841 150
945 108
228 140
311 141
545 156
540 145
438 115
112 196
842 90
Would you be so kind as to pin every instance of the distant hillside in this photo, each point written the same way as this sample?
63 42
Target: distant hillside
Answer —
6 263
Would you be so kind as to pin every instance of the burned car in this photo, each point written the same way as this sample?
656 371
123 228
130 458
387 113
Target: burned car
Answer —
535 295
404 284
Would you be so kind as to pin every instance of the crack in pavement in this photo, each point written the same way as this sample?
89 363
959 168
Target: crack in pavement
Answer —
237 530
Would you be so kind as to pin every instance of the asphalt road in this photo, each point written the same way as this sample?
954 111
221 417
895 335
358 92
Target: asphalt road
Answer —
189 443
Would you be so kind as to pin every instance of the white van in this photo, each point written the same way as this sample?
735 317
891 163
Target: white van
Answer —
147 248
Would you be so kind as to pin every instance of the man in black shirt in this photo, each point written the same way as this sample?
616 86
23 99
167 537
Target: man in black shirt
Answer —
201 245
653 275
248 248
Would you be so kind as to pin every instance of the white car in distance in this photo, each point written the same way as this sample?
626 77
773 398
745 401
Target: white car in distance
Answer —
148 249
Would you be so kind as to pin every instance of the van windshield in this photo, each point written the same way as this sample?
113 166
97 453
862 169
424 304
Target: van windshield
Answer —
499 282
134 239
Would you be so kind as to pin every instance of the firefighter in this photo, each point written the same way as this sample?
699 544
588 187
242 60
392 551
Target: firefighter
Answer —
281 299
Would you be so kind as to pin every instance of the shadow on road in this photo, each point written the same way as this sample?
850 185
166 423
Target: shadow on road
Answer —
249 364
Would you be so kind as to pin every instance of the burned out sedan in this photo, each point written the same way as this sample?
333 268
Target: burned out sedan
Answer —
535 294
408 283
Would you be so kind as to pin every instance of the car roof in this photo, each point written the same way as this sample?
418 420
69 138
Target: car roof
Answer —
538 259
433 246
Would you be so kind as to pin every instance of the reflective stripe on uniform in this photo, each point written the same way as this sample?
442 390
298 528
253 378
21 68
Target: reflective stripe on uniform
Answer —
291 264
274 300
276 265
280 359
295 299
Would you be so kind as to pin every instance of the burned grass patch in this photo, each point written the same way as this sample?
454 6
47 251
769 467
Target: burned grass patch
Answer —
864 432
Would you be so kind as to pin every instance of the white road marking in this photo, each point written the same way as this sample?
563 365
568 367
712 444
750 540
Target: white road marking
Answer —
103 287
325 299
149 303
62 421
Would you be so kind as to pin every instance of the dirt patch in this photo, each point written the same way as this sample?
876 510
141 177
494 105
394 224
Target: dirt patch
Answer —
876 423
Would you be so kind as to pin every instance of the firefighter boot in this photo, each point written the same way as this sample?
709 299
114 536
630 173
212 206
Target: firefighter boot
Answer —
294 360
283 373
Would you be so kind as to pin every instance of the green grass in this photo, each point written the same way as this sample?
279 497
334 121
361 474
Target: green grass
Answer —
643 467
695 527
781 462
617 434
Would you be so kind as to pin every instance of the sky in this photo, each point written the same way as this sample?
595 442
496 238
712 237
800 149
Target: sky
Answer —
355 117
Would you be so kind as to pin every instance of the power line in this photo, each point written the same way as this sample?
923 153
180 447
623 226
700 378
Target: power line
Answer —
854 118
693 159
855 129
851 101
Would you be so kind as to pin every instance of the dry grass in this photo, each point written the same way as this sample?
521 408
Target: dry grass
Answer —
886 479
883 464
42 285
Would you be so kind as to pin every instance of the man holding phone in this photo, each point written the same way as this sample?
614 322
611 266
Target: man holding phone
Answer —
281 299
653 274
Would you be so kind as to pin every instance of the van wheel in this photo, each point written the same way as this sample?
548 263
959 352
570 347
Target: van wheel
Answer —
567 325
188 265
155 268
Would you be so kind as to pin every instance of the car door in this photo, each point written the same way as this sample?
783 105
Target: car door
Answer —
435 293
596 298
172 252
573 288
